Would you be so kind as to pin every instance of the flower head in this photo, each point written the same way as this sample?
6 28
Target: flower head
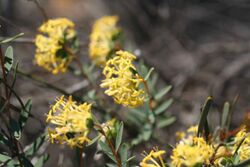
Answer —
55 45
110 128
242 138
191 152
103 39
123 81
153 159
70 122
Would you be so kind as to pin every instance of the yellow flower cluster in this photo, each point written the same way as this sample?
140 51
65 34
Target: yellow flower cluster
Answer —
54 45
244 149
153 159
191 132
122 80
191 152
102 39
69 122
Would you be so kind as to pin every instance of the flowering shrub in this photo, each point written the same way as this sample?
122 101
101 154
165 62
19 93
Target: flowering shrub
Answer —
94 119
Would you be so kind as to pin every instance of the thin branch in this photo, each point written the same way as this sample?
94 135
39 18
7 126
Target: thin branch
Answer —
55 88
10 23
41 9
43 82
111 146
31 40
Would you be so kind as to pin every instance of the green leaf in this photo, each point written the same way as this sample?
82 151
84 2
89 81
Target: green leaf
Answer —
4 140
93 140
242 164
162 92
146 135
142 68
33 147
25 113
8 59
13 163
111 165
147 132
91 94
15 129
106 150
130 158
203 119
11 39
163 107
153 81
118 139
124 154
41 161
133 120
165 122
225 116
14 77
138 114
26 162
4 157
148 74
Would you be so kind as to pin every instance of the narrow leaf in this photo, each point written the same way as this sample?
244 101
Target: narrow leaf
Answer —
242 164
162 92
163 107
41 161
32 148
111 165
225 115
15 128
8 59
148 74
93 140
124 154
106 150
4 157
204 113
26 162
4 140
165 122
25 113
118 139
11 39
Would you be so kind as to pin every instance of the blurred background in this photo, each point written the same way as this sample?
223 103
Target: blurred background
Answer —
200 47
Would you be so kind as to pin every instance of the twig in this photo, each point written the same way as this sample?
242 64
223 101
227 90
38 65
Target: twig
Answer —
45 16
53 87
43 82
81 158
111 146
10 23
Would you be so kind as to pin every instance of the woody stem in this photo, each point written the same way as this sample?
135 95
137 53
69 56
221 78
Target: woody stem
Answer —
111 146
